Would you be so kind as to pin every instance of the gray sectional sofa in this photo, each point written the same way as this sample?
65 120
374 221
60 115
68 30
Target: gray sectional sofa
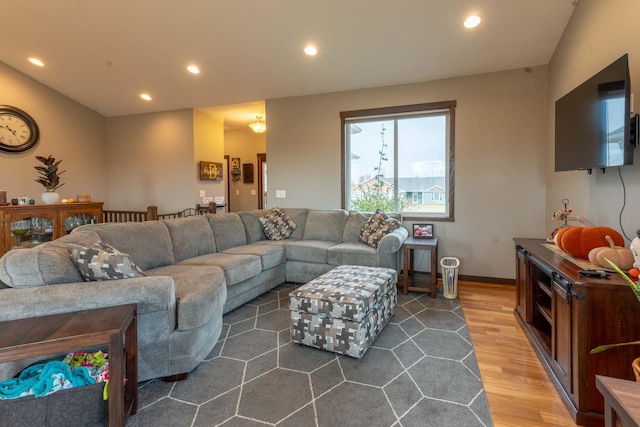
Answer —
196 269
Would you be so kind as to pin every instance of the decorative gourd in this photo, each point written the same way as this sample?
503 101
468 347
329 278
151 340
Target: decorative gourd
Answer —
577 241
622 257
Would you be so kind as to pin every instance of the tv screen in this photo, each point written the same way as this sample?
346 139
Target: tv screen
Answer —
592 122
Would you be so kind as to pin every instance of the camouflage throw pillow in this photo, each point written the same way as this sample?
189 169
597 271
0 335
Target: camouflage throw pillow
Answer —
103 262
277 225
376 227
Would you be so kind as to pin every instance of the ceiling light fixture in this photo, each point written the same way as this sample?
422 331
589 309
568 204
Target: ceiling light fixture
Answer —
36 61
310 50
472 21
259 126
145 96
193 69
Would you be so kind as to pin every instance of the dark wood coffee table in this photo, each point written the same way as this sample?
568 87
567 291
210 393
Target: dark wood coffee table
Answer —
114 326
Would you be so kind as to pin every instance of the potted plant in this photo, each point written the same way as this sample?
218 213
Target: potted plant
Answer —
49 178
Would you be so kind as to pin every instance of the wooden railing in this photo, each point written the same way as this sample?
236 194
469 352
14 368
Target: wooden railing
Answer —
152 214
130 216
198 210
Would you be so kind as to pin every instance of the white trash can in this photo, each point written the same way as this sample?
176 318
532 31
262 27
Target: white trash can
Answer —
449 277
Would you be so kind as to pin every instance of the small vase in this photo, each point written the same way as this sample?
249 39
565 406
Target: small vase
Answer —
50 197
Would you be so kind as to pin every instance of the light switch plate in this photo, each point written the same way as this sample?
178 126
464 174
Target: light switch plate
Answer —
281 194
237 192
253 192
202 193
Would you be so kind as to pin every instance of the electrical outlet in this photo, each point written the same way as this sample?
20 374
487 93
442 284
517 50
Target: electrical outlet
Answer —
202 193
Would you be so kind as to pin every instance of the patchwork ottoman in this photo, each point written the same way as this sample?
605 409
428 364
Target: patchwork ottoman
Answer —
344 309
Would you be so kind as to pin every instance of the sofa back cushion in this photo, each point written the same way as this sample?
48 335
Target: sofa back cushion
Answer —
147 243
354 224
299 216
190 237
252 225
325 225
228 230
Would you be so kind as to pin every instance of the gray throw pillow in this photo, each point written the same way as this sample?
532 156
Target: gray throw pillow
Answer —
103 262
376 227
277 225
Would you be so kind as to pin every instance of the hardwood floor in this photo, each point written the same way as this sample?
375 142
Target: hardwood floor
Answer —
518 389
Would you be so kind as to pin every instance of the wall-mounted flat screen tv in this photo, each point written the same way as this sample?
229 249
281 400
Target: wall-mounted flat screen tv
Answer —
592 128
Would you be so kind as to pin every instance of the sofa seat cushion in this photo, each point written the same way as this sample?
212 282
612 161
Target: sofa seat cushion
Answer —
354 253
308 250
237 267
270 255
199 288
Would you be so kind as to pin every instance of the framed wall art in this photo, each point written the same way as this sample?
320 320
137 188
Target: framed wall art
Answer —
247 173
210 171
423 231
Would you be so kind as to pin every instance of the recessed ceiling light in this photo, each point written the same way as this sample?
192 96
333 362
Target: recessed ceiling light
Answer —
36 61
145 96
193 69
472 21
310 50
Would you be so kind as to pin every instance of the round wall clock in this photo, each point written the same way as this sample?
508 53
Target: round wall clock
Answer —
18 131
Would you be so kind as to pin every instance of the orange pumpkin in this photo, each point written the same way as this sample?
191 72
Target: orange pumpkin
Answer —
557 239
578 241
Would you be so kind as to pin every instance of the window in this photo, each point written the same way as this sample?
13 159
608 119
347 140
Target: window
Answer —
400 159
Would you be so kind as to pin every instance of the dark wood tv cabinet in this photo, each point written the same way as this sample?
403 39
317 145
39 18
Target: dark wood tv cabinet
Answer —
565 315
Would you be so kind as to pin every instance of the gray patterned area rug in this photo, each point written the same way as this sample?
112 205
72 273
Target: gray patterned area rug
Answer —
420 371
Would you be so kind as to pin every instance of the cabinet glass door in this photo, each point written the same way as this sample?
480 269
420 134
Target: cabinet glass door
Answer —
31 231
77 220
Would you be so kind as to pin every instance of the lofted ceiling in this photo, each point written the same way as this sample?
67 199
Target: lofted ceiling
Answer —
103 54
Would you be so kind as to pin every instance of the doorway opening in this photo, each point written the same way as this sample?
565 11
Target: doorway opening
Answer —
262 181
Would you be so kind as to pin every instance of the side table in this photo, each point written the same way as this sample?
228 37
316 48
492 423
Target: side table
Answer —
408 275
115 326
621 406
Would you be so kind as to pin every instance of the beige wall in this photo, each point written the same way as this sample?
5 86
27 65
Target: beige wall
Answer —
68 131
244 144
208 146
598 33
501 131
151 161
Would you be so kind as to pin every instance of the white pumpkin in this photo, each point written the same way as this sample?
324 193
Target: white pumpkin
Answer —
622 257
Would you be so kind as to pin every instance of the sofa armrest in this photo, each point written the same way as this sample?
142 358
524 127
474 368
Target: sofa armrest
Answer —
151 294
393 241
